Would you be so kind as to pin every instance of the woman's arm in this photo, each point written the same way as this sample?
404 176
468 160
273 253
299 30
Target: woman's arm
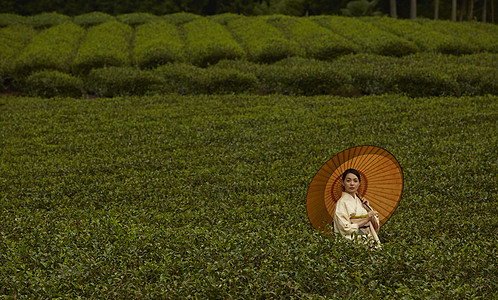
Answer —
364 221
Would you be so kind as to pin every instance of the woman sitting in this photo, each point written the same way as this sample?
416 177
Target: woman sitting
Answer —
353 217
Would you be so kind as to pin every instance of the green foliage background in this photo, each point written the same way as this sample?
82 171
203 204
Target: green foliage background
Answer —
204 197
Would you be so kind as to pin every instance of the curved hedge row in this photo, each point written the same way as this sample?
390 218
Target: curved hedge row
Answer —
13 40
137 18
316 41
45 20
207 42
181 18
157 43
421 75
11 20
425 37
53 48
466 33
368 37
262 42
104 45
350 75
93 18
50 83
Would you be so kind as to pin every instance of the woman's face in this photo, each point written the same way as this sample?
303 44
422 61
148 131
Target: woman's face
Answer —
351 184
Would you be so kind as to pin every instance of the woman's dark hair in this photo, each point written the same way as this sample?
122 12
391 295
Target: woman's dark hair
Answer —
352 171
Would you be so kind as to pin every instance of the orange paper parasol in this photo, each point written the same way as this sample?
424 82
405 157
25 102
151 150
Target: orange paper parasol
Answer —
381 184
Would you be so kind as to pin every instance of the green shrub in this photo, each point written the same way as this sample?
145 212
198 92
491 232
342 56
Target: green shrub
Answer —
243 66
368 37
157 43
225 18
426 38
475 80
106 44
423 74
7 19
317 41
299 76
53 48
424 82
371 74
138 18
179 77
489 60
13 40
122 81
458 75
45 20
188 79
53 84
489 28
262 42
471 38
181 18
208 42
173 197
92 19
216 80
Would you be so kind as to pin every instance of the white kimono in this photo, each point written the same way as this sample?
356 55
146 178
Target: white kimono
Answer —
346 208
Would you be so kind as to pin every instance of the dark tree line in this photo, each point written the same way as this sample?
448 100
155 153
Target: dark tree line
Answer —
457 10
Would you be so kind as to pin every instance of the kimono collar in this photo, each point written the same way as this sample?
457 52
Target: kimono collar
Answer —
347 195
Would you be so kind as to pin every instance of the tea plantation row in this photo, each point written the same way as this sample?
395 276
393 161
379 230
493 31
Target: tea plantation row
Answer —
203 41
351 75
203 197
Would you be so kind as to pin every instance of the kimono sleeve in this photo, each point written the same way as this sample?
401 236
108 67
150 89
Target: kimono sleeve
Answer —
342 221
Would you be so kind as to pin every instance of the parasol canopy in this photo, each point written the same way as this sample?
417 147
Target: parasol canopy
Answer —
381 184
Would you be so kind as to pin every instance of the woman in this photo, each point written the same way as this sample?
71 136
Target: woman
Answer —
353 218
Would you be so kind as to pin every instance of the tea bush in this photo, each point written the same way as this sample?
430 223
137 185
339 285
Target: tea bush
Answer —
466 34
7 19
107 44
489 60
317 41
204 197
13 40
426 38
53 48
488 28
188 79
298 76
157 43
178 78
370 38
225 18
225 81
52 84
419 75
121 81
92 19
181 18
262 42
135 19
370 73
207 42
46 20
474 74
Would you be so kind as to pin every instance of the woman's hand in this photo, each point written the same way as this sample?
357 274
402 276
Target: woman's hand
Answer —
372 214
373 220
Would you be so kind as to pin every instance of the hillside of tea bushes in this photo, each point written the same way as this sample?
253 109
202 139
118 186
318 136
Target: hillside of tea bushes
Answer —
135 54
175 197
191 181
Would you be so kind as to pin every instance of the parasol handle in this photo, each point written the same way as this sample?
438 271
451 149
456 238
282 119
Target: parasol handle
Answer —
374 221
364 203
